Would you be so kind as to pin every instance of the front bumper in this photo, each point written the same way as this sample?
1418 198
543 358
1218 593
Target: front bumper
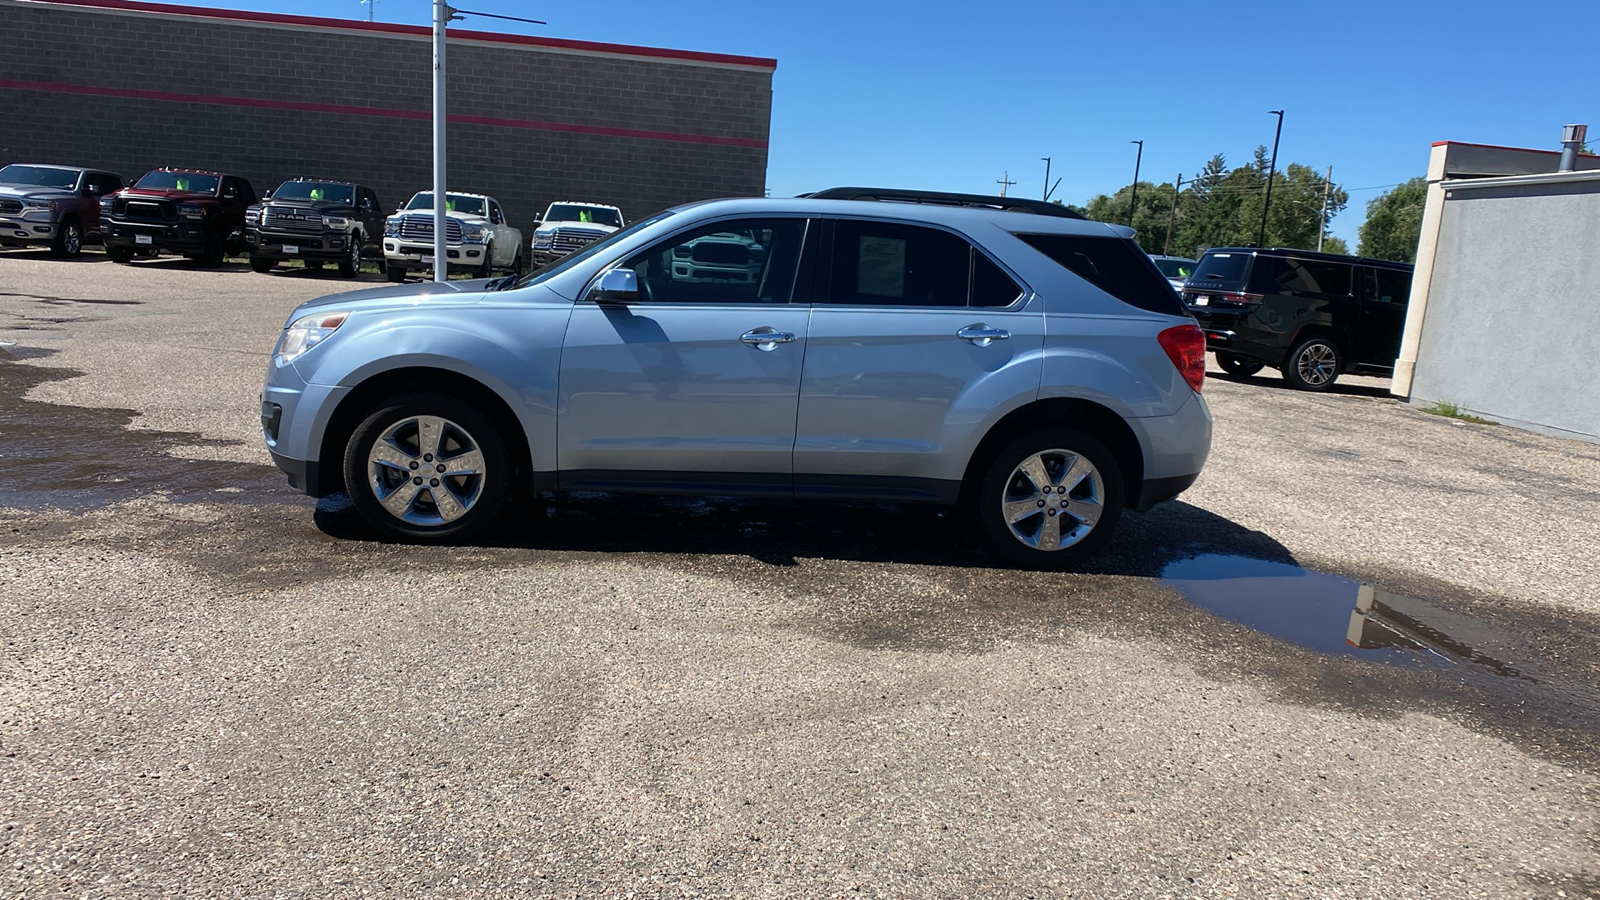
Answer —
183 237
26 230
288 245
413 255
294 419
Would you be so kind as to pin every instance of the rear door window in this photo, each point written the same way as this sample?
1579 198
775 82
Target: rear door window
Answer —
1285 275
890 264
1114 265
1394 287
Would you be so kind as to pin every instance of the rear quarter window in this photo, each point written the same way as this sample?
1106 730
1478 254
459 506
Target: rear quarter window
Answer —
1114 265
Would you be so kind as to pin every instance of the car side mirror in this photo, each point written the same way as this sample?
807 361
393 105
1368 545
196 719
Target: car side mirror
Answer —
616 286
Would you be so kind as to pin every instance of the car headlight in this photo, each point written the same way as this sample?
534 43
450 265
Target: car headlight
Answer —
335 221
252 216
51 205
541 240
106 203
191 210
304 333
391 226
472 234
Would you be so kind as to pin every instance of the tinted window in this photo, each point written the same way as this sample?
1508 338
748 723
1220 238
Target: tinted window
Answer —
314 190
1223 271
742 261
1175 268
1394 287
104 183
1280 275
573 212
881 263
991 286
180 181
471 206
1114 265
43 176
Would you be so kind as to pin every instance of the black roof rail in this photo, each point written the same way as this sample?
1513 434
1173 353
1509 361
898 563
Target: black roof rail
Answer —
939 198
1312 254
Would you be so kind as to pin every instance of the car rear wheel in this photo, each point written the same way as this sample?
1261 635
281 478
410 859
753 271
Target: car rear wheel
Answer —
1050 498
119 254
487 269
427 468
1238 366
212 256
1314 364
350 265
69 240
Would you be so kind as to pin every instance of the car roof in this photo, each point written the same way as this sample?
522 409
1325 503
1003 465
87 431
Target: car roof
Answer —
586 203
57 166
194 172
1312 254
457 193
326 181
957 217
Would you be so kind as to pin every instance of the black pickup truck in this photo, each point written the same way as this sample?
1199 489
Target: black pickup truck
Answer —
317 221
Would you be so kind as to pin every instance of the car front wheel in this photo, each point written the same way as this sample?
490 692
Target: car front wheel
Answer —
1050 498
1313 365
395 271
69 240
427 468
350 265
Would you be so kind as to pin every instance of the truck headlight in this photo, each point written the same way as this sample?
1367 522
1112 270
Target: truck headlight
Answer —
51 205
304 333
335 222
472 234
391 226
106 203
541 240
252 216
191 210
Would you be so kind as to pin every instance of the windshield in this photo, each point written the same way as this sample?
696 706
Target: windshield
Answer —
1223 271
315 190
461 203
180 181
573 212
1175 268
44 176
572 259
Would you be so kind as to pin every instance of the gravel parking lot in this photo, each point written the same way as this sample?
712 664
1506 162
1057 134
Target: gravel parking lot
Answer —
213 686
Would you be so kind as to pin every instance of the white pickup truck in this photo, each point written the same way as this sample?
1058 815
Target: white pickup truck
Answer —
569 225
477 237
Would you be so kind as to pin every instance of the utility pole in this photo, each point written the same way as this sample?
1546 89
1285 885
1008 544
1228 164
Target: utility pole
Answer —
371 6
1134 197
1327 187
442 14
1005 182
1271 171
1177 188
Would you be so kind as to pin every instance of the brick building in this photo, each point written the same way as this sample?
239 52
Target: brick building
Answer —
129 86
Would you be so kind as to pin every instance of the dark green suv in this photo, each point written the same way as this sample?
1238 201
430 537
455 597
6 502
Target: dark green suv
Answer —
1314 316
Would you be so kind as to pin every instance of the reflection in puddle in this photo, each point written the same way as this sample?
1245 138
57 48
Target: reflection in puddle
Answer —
1330 614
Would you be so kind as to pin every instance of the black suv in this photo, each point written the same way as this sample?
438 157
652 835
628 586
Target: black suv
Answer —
316 221
1311 315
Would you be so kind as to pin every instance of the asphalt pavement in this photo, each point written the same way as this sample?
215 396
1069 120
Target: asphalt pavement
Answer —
213 686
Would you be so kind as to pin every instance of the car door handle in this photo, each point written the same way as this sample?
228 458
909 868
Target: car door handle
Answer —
766 338
982 335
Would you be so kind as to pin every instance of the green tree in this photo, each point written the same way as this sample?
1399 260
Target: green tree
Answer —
1394 222
1331 244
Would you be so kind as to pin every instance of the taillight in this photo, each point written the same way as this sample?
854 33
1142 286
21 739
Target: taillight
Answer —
1186 347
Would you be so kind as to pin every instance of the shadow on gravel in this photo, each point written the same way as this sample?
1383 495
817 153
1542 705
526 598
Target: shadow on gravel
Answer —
89 255
1275 382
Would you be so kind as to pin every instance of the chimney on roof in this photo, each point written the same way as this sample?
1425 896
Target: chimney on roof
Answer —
1572 137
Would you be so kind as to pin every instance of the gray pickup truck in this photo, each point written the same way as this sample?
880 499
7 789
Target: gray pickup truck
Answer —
58 206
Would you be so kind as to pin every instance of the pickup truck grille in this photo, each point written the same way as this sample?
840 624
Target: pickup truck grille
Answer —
420 228
10 207
154 210
566 240
303 221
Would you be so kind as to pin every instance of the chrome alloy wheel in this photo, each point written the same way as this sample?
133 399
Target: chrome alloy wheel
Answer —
426 470
1053 499
1316 364
72 240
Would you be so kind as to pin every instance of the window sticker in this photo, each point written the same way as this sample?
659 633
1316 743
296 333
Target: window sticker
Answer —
882 268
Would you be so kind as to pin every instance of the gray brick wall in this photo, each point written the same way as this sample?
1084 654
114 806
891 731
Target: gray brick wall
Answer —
523 168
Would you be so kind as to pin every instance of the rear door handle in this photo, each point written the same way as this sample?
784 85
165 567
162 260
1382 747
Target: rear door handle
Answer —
982 335
766 337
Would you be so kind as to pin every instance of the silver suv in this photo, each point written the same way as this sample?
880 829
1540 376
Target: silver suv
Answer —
1030 366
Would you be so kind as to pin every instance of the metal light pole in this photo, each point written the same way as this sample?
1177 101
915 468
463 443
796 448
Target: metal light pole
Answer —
441 265
1327 188
1271 171
1134 197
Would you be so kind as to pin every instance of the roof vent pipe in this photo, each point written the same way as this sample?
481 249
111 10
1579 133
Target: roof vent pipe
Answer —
1572 137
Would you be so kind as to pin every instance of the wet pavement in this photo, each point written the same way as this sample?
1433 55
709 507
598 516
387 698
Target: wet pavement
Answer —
209 680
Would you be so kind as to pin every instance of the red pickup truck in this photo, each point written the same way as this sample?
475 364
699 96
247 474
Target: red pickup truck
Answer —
188 211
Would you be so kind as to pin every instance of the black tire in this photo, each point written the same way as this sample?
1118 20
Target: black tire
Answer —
1238 366
395 271
487 269
68 242
262 264
119 255
427 497
1314 364
214 253
350 263
1092 501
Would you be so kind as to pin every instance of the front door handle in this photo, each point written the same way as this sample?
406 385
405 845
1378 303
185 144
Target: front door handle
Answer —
982 335
766 337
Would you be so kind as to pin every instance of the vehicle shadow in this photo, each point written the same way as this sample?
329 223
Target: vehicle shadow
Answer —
1274 381
90 254
782 533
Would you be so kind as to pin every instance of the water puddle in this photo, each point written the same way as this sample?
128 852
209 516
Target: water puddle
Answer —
1335 615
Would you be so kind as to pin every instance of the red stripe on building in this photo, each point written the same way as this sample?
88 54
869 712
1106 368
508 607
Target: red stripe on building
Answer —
758 62
375 111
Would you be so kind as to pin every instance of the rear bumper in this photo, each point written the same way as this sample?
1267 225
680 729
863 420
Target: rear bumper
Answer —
1175 450
1153 491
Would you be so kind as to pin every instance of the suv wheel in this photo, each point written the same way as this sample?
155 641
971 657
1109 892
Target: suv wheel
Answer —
350 265
261 264
1313 365
395 271
1050 498
119 255
427 468
214 252
1238 366
487 269
69 240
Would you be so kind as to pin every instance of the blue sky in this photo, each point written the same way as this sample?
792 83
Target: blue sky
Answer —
948 96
